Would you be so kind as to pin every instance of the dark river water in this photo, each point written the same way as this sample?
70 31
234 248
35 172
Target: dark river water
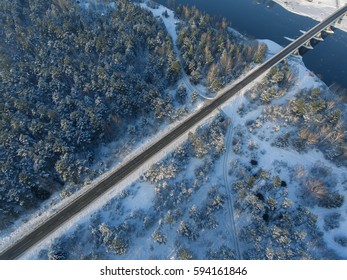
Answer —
263 19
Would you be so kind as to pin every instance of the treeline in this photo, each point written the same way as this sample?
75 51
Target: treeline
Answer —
71 79
210 52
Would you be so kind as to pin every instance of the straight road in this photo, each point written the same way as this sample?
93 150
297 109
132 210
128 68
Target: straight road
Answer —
126 169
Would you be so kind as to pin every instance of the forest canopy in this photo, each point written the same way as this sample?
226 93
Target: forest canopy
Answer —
70 78
73 78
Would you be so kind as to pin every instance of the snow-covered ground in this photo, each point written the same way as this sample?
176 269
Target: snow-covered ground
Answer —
138 208
133 203
170 24
106 163
136 202
268 155
316 9
122 151
99 6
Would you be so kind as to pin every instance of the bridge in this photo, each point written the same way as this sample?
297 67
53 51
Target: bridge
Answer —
324 27
81 202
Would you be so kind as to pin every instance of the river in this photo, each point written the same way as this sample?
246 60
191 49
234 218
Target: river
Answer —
268 20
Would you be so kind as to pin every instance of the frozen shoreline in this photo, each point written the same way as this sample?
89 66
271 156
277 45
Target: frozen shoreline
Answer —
318 10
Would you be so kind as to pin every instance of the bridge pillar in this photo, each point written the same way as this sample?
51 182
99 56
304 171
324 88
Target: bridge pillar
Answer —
329 30
296 52
308 45
337 21
318 37
340 19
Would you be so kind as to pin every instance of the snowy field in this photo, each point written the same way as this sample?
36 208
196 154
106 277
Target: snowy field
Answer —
316 9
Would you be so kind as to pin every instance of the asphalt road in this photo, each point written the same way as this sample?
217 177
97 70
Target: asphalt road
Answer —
83 201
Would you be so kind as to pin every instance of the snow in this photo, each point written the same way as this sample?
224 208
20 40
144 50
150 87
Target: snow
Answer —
52 206
170 22
271 155
142 199
106 162
316 9
142 194
88 4
272 47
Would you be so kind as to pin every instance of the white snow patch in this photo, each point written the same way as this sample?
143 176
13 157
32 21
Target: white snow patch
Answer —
272 47
142 199
170 21
316 9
